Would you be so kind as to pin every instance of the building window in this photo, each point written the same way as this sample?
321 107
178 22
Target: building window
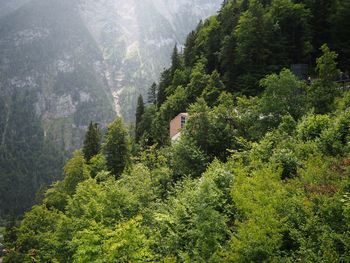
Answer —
183 121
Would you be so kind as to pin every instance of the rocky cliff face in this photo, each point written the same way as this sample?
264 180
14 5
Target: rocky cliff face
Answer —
52 83
64 63
46 50
86 60
137 37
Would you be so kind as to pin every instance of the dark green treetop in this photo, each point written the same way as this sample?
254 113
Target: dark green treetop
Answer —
92 141
117 147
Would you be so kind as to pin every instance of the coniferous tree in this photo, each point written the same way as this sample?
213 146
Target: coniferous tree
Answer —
139 112
227 62
165 81
213 45
320 21
341 32
228 16
92 141
75 171
323 91
290 42
117 147
190 52
212 91
152 94
145 126
251 52
175 61
180 78
199 80
244 5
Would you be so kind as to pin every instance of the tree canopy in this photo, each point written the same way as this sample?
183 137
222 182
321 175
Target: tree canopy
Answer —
260 172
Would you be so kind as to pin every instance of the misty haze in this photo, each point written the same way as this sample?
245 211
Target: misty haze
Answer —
174 131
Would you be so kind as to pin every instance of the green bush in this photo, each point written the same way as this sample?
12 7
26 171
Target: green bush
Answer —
311 126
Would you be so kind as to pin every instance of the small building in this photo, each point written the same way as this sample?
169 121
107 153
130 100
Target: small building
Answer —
177 124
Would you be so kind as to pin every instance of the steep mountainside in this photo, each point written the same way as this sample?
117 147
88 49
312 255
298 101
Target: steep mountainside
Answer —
52 85
64 63
136 38
259 172
47 51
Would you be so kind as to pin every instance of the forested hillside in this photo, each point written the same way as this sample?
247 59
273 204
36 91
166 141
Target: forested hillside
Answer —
259 174
51 88
136 39
64 63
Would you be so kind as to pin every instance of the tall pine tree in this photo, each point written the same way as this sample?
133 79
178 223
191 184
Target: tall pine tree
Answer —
213 89
139 112
152 94
190 52
117 147
92 141
175 61
164 83
251 52
323 91
341 32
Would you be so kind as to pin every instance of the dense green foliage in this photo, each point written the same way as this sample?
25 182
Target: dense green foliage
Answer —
117 147
92 141
28 161
251 179
50 90
140 110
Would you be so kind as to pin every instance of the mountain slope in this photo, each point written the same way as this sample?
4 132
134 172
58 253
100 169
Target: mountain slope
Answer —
52 86
260 178
65 63
136 39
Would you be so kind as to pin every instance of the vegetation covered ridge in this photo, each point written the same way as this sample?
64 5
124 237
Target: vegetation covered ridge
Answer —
260 172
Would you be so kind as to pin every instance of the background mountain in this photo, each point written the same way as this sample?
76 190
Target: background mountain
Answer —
136 39
52 85
260 173
65 63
